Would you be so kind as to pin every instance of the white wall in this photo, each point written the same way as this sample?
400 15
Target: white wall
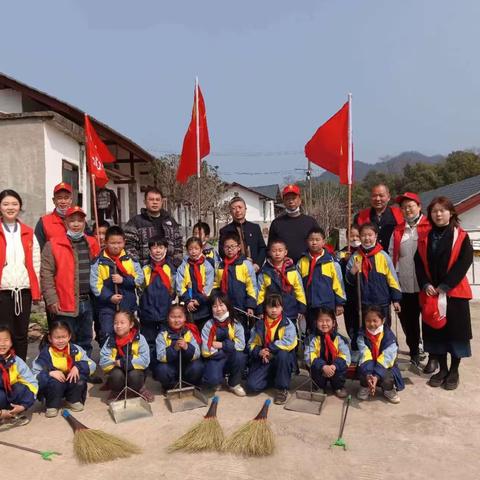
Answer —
471 218
255 204
10 101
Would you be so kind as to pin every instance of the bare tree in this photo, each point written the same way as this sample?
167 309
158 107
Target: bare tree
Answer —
329 205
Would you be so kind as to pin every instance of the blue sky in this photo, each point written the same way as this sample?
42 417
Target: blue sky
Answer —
271 72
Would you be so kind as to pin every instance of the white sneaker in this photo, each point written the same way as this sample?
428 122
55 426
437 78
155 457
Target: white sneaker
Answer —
75 407
391 396
363 393
51 412
238 390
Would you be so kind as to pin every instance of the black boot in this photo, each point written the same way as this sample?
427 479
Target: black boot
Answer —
438 379
453 379
431 365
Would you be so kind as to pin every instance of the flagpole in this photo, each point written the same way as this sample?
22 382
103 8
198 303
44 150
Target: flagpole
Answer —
197 128
350 169
310 193
95 211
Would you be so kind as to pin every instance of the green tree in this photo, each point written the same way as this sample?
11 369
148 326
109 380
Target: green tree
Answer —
420 177
458 166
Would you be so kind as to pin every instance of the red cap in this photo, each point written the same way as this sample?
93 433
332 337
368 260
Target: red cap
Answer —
73 210
62 186
291 189
408 196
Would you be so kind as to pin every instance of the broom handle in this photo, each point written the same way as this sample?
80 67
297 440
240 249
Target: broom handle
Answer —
180 369
74 423
126 380
246 313
115 286
359 300
344 417
20 447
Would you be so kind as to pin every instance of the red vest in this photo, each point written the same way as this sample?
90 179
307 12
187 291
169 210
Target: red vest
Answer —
423 228
26 234
64 256
364 215
462 290
53 226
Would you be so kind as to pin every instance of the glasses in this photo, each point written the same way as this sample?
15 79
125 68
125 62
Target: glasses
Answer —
230 247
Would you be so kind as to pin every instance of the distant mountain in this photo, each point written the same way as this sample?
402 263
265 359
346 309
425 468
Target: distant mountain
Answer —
386 165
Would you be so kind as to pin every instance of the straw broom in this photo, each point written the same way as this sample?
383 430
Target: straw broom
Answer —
96 446
205 435
255 438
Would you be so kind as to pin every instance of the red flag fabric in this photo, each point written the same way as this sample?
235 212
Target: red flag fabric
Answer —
97 154
328 148
188 159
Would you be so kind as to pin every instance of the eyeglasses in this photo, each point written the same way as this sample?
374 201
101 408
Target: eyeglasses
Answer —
230 247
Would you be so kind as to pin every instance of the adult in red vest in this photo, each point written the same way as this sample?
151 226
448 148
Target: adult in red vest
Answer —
442 261
65 277
380 214
52 224
402 249
19 271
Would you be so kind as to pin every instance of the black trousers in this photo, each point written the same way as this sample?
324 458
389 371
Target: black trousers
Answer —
116 379
18 324
410 320
56 391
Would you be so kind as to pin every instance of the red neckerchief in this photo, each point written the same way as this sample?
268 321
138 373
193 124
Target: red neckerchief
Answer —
313 262
121 342
65 353
196 272
375 344
286 285
120 268
366 265
331 352
270 329
226 263
213 330
158 271
192 328
7 386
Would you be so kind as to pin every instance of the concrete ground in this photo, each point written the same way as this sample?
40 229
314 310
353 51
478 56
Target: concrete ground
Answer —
432 433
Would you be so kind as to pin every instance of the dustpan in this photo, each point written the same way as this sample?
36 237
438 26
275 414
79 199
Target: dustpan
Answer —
306 401
183 397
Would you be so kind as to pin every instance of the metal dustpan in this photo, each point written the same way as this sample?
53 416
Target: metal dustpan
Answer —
306 401
182 397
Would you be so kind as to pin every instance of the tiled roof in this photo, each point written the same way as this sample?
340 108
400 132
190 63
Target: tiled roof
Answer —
457 192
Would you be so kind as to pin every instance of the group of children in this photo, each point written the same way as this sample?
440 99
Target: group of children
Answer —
228 323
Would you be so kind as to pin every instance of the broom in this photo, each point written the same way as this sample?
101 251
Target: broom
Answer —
95 446
205 435
255 438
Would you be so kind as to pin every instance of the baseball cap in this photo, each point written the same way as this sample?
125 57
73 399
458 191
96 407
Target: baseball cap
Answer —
62 186
291 189
73 210
408 196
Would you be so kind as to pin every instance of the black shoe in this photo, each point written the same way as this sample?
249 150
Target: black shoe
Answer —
415 360
438 379
95 379
452 381
280 397
431 365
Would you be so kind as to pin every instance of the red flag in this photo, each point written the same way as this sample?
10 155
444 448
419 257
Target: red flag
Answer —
328 148
97 154
190 150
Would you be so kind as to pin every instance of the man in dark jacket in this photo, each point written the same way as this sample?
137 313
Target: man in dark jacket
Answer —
251 238
153 221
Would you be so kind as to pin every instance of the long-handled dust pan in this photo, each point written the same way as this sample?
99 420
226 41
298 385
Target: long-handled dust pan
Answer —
129 408
182 397
306 401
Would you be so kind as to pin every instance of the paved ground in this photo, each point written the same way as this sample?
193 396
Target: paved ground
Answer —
432 433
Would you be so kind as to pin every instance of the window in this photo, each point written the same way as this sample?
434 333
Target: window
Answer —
70 175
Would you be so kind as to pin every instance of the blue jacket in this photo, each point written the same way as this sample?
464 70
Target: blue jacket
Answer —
103 287
326 288
211 254
232 336
156 298
166 341
315 351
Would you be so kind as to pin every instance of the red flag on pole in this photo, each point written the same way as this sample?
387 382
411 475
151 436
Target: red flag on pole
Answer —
331 146
196 143
97 154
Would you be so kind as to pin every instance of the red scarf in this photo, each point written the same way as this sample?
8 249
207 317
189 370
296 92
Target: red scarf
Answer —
158 271
226 263
197 274
213 331
375 344
366 265
270 329
7 386
192 328
120 268
286 285
313 262
121 342
331 352
65 353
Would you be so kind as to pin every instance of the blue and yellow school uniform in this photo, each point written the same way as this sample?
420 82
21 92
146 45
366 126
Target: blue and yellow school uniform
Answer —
24 385
281 365
54 391
166 370
326 287
294 300
386 360
211 254
187 288
230 359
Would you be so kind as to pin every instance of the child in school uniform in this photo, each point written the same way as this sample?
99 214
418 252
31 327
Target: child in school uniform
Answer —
114 279
194 282
62 369
179 339
378 279
223 345
322 277
126 343
201 230
280 275
272 351
18 385
235 277
378 358
327 353
158 292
